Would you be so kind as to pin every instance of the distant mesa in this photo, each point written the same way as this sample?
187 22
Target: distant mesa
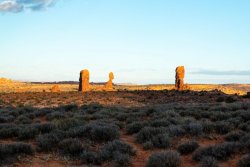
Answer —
55 89
179 78
84 81
109 85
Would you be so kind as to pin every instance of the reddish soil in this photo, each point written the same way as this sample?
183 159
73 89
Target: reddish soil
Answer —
141 157
203 142
232 162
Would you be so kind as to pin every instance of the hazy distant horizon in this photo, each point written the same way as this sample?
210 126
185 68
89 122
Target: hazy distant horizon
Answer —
141 41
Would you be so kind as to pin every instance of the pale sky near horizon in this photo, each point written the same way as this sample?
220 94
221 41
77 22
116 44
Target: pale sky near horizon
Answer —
141 41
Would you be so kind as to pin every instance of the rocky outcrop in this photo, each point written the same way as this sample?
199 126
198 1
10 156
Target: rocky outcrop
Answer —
109 84
84 81
179 78
55 89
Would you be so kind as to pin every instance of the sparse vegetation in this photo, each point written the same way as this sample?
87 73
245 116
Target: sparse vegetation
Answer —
220 151
164 159
244 161
209 162
9 152
188 147
118 135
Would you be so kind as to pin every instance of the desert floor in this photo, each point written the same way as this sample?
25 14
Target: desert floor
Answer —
129 124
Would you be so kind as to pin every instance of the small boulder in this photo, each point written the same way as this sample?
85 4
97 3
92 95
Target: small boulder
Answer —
55 89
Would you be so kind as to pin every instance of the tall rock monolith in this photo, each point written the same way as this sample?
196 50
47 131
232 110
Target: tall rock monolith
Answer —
84 81
109 84
179 78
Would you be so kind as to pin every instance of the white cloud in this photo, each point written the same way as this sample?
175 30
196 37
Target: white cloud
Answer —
16 6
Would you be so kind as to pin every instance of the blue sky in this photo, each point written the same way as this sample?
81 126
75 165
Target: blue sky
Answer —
141 41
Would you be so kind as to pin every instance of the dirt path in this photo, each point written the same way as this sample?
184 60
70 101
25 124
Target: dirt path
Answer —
141 157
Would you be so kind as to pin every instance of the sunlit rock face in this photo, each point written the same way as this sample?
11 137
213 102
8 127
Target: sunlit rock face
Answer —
84 81
55 89
179 78
109 84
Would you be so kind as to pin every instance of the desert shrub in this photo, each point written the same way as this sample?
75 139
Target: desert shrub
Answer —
9 152
245 126
72 147
131 118
235 121
222 127
209 162
21 148
45 127
101 131
246 146
188 120
90 157
225 150
195 129
200 153
160 123
161 141
220 116
151 111
230 99
9 131
49 141
134 127
245 138
244 161
27 133
6 118
234 136
79 131
175 131
91 108
205 114
245 115
121 116
39 113
147 133
164 159
23 120
67 123
55 115
148 145
188 147
220 99
121 159
69 107
25 110
109 150
30 115
208 127
220 151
